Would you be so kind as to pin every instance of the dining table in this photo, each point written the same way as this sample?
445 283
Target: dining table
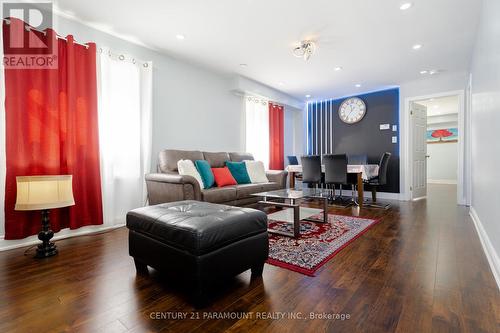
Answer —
363 172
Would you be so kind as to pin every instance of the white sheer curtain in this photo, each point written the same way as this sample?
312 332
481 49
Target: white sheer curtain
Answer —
257 128
125 108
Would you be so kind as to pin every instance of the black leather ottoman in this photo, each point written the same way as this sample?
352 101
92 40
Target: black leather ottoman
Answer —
198 242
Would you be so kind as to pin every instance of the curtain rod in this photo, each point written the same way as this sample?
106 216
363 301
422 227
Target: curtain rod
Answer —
28 28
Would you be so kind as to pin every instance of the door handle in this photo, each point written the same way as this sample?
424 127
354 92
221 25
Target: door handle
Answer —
427 156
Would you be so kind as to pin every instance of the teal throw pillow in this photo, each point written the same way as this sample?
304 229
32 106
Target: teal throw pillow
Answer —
206 174
239 172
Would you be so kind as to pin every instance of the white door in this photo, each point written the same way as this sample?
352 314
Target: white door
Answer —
418 115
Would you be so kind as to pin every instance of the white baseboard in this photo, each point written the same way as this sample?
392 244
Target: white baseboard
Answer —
442 181
65 233
488 248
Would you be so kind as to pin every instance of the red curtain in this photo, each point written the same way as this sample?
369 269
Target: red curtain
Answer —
276 137
51 128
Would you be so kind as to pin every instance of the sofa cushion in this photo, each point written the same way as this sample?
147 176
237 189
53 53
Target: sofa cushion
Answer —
219 194
271 186
240 157
246 190
216 160
197 227
167 159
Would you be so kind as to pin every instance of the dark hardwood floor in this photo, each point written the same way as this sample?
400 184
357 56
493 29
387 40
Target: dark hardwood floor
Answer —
421 269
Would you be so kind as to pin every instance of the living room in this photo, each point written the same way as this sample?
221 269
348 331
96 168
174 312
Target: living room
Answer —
212 166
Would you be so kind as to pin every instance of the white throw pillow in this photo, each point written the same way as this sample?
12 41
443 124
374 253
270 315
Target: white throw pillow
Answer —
187 168
256 171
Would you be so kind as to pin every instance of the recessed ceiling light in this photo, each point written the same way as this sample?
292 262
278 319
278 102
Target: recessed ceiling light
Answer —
405 6
433 71
417 46
423 72
338 68
243 65
308 96
357 85
180 37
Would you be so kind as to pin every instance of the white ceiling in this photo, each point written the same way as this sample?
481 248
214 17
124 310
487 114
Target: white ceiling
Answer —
441 106
371 40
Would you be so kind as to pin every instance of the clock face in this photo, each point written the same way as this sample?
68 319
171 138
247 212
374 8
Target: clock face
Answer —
352 110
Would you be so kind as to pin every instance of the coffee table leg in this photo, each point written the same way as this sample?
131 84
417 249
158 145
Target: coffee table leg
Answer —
296 221
325 210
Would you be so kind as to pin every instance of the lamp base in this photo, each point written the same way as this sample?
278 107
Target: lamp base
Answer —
47 248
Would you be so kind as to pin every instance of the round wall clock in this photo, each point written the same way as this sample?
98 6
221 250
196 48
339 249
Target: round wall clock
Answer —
352 110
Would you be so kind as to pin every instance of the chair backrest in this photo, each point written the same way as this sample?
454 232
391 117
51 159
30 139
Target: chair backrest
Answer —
292 160
357 159
382 168
311 169
335 168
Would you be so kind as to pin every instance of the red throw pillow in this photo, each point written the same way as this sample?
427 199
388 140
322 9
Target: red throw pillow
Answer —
223 177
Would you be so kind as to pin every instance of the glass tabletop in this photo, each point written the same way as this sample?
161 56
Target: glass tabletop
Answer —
294 194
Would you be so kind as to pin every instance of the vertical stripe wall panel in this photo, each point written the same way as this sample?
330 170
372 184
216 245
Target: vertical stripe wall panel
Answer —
320 117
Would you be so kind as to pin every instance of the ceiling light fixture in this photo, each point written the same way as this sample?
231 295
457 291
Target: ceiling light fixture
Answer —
308 96
423 72
357 85
417 46
405 6
243 65
305 50
338 68
180 37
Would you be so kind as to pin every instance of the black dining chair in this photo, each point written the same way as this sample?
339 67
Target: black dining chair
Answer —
336 174
292 160
311 170
377 181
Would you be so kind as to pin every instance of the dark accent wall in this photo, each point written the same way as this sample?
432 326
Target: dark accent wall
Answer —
328 134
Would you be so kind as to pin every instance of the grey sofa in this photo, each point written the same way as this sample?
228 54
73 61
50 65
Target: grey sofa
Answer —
168 186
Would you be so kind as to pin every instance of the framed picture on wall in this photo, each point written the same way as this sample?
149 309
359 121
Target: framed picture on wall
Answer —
442 135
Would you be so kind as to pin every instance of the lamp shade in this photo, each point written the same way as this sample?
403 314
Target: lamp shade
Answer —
44 192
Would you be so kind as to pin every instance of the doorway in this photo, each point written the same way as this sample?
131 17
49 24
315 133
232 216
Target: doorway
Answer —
436 142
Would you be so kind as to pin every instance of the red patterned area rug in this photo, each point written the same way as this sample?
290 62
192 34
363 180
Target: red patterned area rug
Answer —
318 242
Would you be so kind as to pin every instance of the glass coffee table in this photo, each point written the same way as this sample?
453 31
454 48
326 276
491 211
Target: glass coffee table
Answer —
289 198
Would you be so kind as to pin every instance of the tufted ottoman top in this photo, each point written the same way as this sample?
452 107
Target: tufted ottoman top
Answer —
197 227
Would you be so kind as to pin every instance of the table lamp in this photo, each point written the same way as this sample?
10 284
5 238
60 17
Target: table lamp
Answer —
44 193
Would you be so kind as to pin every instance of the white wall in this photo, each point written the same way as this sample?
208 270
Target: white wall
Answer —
485 125
442 163
193 107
